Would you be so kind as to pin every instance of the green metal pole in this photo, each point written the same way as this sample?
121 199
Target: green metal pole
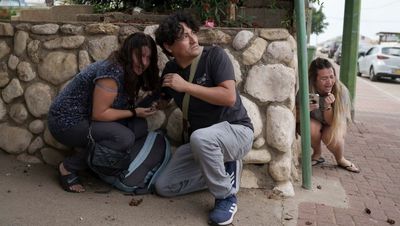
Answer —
351 34
304 102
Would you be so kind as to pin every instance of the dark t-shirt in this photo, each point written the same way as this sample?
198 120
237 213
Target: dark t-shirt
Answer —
213 68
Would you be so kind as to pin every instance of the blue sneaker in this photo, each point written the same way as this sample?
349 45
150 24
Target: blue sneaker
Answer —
224 211
233 168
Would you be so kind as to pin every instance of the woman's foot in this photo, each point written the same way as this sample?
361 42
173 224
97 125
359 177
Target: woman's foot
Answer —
349 166
69 181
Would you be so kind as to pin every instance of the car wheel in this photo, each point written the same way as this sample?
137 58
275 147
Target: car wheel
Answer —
358 71
372 75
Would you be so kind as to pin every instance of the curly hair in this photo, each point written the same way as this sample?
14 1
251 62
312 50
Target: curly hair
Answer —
171 29
149 80
342 105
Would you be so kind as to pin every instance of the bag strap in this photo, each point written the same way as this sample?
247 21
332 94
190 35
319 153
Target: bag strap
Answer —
193 68
143 153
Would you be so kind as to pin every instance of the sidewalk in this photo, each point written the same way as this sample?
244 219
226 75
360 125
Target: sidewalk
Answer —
373 144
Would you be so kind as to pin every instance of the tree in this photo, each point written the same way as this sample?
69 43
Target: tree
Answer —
318 23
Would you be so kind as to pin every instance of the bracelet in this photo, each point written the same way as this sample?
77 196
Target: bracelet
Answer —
133 112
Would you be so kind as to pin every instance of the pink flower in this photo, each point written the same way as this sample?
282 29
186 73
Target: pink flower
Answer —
209 23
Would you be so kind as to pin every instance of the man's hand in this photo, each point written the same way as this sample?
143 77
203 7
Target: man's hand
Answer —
175 82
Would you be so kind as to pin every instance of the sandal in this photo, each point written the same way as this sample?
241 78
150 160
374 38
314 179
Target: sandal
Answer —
315 162
67 181
351 168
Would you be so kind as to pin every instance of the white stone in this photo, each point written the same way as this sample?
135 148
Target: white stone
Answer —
274 34
45 29
36 126
20 42
25 71
38 98
6 29
12 90
150 30
174 125
255 176
259 142
280 167
14 140
23 157
69 42
270 83
84 59
58 67
18 113
102 28
284 189
162 58
213 36
236 67
3 110
127 30
4 79
279 52
241 39
101 48
33 51
49 139
71 29
36 144
280 128
260 156
51 156
4 49
254 53
156 120
13 62
255 116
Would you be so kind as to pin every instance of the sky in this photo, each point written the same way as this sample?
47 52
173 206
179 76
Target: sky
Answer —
376 16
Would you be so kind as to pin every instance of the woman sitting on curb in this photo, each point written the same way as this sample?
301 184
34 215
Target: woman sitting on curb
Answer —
330 114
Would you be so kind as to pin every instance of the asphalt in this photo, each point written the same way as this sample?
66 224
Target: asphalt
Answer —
30 194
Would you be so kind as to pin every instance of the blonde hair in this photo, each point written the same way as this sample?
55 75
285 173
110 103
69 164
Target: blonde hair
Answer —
342 105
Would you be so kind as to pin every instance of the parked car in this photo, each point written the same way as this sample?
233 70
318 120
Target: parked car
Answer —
332 49
380 61
338 55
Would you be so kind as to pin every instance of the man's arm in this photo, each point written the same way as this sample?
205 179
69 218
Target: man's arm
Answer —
224 94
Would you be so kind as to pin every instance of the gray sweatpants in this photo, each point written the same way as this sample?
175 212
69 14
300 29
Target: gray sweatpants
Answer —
200 163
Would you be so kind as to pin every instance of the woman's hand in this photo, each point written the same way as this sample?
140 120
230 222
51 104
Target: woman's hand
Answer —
144 112
329 100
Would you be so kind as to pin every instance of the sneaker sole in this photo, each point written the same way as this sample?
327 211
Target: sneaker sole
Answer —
228 221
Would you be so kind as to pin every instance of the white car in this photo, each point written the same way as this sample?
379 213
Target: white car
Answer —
380 61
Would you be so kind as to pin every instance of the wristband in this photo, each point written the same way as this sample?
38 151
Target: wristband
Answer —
133 112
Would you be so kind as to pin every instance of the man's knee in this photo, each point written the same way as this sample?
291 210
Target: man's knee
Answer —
162 188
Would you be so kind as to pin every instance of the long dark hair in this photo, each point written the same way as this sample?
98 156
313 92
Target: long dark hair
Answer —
149 80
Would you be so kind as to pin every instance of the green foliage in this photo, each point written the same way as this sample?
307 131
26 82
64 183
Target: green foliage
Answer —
7 13
211 10
318 23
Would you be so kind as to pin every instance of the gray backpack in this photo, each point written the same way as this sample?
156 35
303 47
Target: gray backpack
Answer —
135 170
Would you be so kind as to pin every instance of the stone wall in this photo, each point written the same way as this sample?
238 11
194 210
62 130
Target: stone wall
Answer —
37 60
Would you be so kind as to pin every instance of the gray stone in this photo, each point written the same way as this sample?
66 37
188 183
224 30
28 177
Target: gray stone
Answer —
14 140
38 98
156 120
18 113
58 67
280 167
254 53
45 29
25 71
269 83
33 51
213 36
102 28
12 90
36 126
84 59
259 142
23 157
4 49
281 128
71 29
162 58
254 113
3 110
127 30
150 30
49 139
13 62
274 34
284 189
101 48
236 67
241 39
36 144
20 42
6 29
69 42
174 126
4 79
256 176
51 156
24 27
279 52
260 156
